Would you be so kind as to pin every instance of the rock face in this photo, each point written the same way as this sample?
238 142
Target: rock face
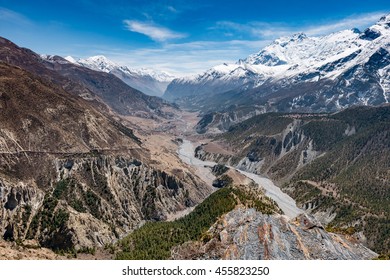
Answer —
217 122
92 202
263 143
246 234
100 198
72 176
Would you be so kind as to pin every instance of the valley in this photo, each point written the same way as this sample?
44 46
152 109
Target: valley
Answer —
285 202
282 155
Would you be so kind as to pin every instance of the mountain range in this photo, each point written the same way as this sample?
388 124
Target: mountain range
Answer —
298 73
90 152
148 81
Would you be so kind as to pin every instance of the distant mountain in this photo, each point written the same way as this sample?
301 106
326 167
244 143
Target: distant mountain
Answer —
148 81
298 73
95 86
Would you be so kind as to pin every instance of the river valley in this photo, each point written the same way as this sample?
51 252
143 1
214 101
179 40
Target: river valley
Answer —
284 201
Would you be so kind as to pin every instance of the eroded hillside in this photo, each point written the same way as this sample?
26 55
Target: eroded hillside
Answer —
336 166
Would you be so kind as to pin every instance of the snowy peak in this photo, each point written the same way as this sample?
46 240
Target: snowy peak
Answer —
70 59
303 50
295 38
382 27
385 20
98 63
284 56
160 76
148 81
354 66
101 63
54 58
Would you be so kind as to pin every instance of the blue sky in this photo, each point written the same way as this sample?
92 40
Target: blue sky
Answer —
177 36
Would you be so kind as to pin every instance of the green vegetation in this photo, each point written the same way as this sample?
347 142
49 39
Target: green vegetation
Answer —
383 257
52 219
265 124
77 205
219 169
26 215
305 192
325 132
148 203
60 188
92 202
154 240
48 218
250 199
347 231
358 168
223 181
377 231
87 250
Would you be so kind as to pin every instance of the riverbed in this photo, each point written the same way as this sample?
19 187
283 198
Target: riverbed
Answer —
187 155
285 202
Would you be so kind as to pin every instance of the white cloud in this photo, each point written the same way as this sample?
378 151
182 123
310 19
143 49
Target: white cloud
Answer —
13 17
254 29
172 9
358 21
265 30
156 33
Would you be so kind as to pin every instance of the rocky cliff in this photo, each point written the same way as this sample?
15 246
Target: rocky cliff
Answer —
90 200
246 234
72 176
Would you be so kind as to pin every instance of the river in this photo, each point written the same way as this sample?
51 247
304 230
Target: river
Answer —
285 202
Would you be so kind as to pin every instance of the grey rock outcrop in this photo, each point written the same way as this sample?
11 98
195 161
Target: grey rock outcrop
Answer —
250 235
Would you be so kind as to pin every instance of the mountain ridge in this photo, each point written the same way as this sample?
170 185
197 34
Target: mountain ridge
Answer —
103 89
149 81
333 67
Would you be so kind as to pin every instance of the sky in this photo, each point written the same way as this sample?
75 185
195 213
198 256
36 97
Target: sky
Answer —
179 36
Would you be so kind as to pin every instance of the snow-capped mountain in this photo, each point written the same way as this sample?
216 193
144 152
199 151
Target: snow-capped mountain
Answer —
98 63
300 73
149 81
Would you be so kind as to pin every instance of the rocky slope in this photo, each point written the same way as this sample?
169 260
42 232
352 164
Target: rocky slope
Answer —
95 86
28 251
217 122
70 175
335 166
298 73
246 234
